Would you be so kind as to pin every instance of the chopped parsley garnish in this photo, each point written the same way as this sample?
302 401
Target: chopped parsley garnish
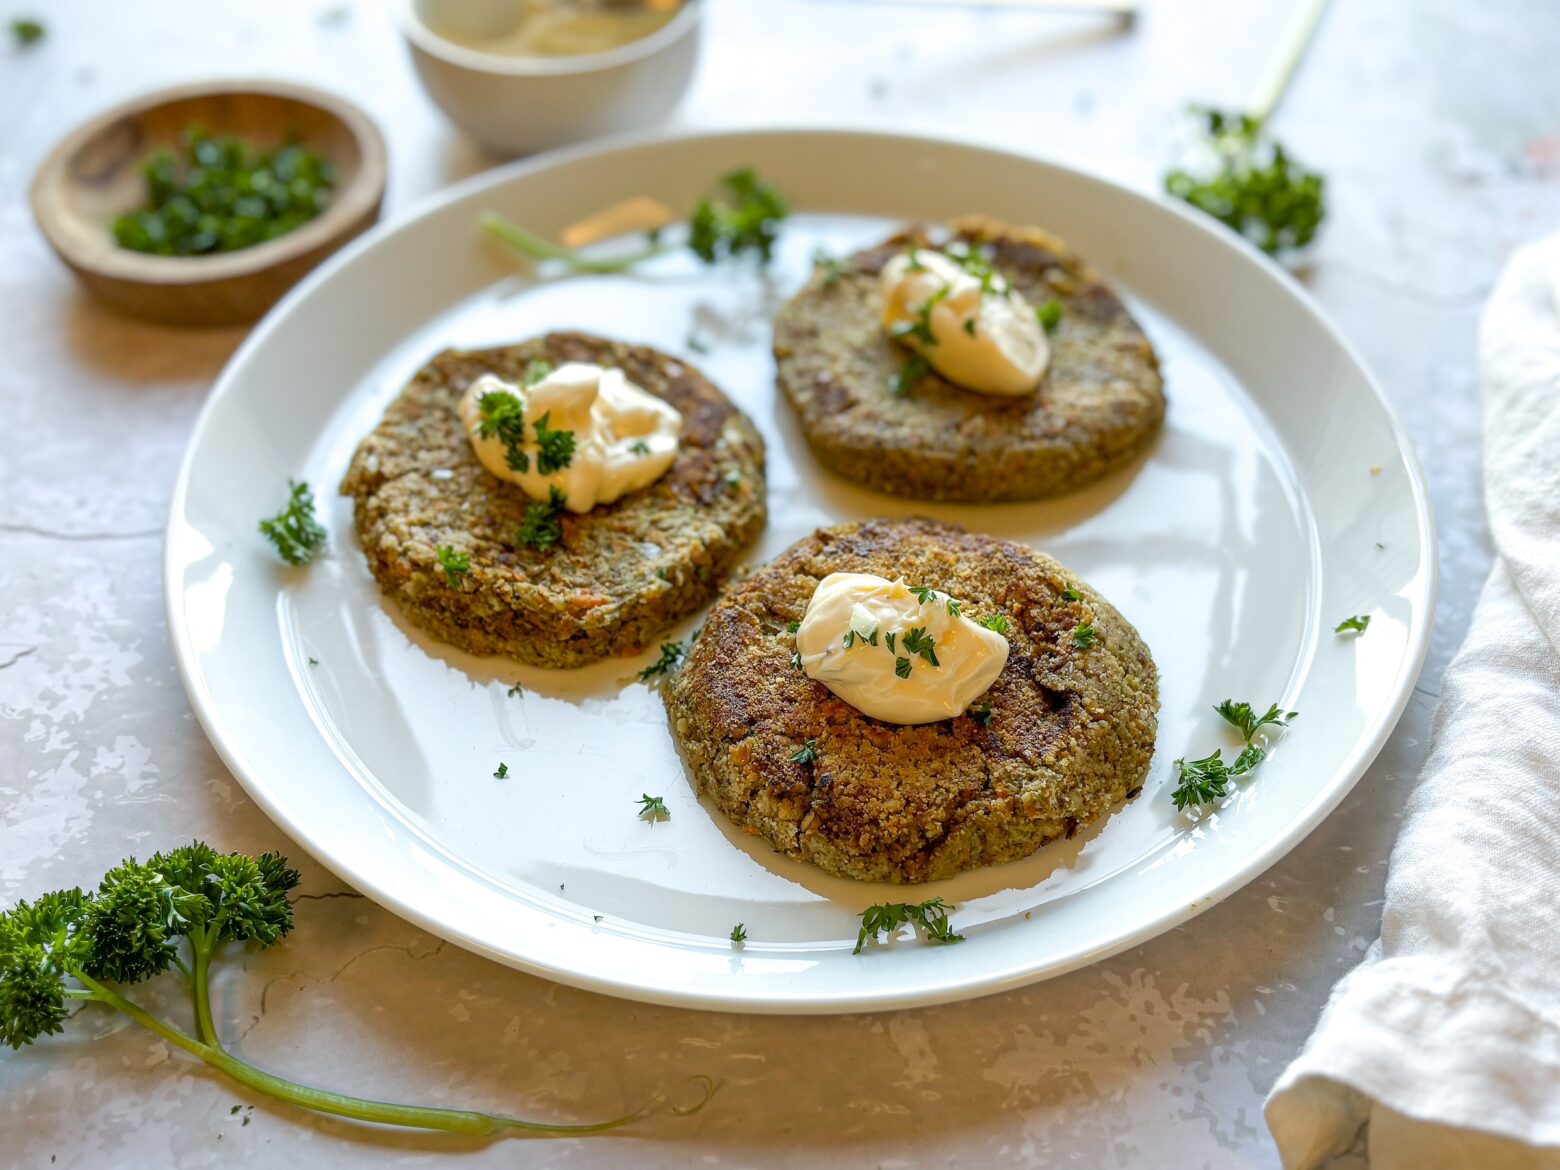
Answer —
796 660
695 344
954 607
980 712
969 326
793 627
742 216
314 662
653 808
455 565
536 370
833 267
502 416
921 328
1069 593
220 195
672 654
1083 635
902 667
931 916
639 447
806 754
915 368
916 641
298 537
1251 185
889 638
1049 315
515 690
913 260
924 593
554 449
1198 782
978 265
26 31
541 527
997 622
739 934
503 770
732 479
1357 623
852 637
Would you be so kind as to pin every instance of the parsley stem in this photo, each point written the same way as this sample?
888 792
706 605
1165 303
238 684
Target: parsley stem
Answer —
460 1121
1297 39
540 248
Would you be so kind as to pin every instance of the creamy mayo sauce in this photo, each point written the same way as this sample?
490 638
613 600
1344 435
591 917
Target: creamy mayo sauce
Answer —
988 340
624 438
886 670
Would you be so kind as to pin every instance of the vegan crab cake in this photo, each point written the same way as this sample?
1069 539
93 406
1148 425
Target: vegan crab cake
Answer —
536 581
1063 734
874 412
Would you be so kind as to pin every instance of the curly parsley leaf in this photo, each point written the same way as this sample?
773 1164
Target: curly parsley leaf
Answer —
541 526
672 654
743 215
297 535
806 754
917 641
1246 721
653 808
501 415
739 934
554 449
1199 782
455 565
1357 623
501 772
1083 635
997 623
1248 182
887 917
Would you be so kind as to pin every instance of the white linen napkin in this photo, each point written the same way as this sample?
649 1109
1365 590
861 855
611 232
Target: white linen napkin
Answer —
1447 1037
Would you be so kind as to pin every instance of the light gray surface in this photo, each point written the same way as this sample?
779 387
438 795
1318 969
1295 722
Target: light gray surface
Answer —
1429 118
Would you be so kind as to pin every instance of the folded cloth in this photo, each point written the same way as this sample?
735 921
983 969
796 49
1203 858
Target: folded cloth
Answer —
1446 1038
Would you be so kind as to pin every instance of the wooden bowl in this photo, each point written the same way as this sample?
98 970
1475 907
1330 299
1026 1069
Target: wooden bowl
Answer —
95 174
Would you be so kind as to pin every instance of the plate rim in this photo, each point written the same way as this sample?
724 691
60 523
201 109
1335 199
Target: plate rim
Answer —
1367 746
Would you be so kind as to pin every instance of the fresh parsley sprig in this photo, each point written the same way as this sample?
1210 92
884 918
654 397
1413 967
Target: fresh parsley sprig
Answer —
181 911
653 808
931 916
1247 180
297 535
738 934
806 754
1200 782
1356 624
743 215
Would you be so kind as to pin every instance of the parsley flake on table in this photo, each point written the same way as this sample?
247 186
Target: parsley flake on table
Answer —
501 772
931 916
298 537
654 808
1357 624
26 31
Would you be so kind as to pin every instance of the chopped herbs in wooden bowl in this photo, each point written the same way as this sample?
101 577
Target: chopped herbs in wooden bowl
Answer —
222 196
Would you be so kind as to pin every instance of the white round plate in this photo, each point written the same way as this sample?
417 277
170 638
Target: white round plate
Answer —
1282 497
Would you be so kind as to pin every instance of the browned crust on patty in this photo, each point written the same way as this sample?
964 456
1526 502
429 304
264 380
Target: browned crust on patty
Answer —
1101 401
1070 736
620 574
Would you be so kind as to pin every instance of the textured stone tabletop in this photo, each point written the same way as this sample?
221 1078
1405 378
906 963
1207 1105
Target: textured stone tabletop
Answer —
1438 124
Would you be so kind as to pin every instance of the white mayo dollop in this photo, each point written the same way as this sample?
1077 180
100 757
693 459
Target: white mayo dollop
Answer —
624 438
988 340
873 612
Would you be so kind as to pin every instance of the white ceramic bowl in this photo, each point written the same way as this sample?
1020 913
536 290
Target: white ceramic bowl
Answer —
517 105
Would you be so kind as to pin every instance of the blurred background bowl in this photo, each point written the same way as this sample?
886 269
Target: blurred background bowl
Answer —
94 174
517 105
